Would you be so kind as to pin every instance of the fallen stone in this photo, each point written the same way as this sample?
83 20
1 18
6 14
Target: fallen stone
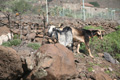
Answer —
10 64
109 58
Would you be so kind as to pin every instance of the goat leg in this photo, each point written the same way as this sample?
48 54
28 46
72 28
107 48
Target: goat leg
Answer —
89 51
78 47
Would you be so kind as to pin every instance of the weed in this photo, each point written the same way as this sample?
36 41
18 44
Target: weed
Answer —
16 36
8 44
34 46
107 71
90 69
14 42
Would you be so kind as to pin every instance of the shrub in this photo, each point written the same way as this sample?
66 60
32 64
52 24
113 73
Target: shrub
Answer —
16 36
8 44
34 46
95 4
14 42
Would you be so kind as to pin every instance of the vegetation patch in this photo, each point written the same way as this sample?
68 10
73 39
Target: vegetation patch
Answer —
95 4
109 43
7 44
34 46
90 69
16 36
14 42
93 27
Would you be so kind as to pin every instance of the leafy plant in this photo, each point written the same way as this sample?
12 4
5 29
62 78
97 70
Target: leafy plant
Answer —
95 4
16 36
34 46
14 42
8 44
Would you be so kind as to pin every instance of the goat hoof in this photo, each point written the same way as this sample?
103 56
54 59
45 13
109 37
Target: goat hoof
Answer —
92 56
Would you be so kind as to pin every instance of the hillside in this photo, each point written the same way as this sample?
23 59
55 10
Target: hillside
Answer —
102 3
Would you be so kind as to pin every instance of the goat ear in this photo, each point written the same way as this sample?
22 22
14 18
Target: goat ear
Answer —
99 32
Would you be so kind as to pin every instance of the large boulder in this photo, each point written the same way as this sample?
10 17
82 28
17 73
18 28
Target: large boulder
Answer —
55 62
10 64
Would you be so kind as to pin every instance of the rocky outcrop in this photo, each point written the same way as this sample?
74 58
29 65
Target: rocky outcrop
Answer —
54 62
10 64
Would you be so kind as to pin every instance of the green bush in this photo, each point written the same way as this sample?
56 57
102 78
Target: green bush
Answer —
14 42
34 46
8 44
95 4
16 36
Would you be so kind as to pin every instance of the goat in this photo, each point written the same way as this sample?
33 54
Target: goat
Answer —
81 35
64 36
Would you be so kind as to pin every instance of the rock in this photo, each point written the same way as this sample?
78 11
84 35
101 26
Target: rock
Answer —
4 30
10 64
24 32
40 36
57 61
24 52
15 31
30 63
38 40
109 58
31 36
